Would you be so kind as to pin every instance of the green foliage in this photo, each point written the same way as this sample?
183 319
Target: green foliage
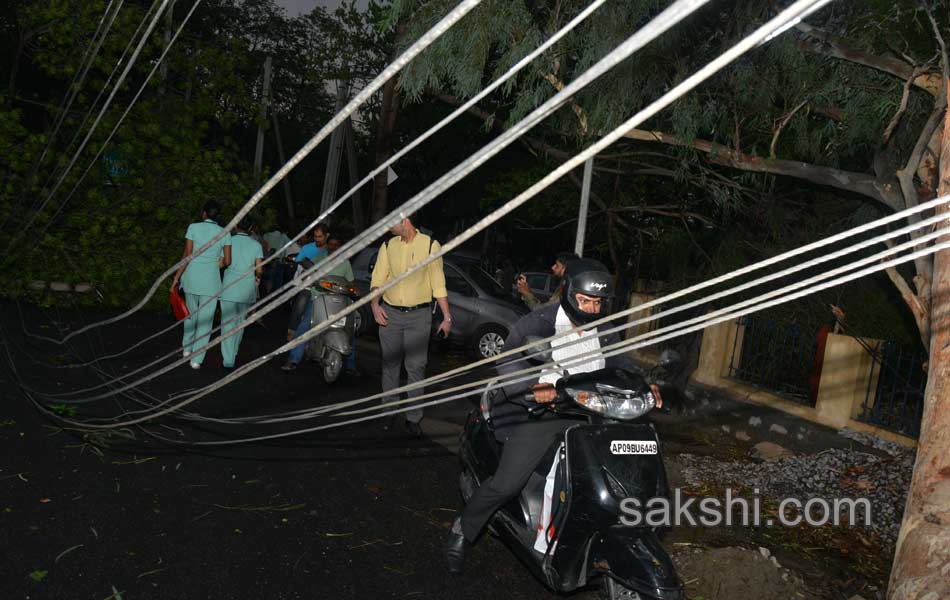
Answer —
65 410
809 107
39 575
189 138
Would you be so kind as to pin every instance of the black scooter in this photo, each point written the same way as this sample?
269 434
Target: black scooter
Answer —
566 525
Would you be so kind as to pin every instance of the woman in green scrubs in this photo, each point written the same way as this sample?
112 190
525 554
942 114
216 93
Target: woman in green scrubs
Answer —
246 254
201 280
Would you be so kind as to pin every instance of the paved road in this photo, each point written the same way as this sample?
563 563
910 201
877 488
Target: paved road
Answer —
349 513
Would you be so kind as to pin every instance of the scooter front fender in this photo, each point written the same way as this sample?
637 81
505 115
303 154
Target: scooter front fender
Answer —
635 558
339 340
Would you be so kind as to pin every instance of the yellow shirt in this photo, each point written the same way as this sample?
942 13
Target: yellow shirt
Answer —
395 258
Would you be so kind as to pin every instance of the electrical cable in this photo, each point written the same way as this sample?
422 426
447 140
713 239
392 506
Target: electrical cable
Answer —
650 31
605 354
95 124
517 67
115 69
394 67
75 85
630 45
121 119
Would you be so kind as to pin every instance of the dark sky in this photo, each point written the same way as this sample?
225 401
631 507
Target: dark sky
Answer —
296 7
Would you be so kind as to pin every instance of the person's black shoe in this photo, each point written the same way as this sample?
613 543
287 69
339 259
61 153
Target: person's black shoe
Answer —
455 548
414 429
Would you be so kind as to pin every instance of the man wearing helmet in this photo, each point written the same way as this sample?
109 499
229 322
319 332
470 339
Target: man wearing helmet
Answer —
585 298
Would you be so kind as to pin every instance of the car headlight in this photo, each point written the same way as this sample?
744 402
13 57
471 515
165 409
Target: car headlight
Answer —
625 406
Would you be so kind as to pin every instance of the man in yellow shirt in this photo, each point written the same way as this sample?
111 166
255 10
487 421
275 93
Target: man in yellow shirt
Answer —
404 315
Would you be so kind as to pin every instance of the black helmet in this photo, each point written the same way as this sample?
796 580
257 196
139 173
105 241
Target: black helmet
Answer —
588 277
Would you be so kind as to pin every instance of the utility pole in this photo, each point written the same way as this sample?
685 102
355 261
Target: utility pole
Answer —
163 68
585 203
265 101
332 174
359 219
283 161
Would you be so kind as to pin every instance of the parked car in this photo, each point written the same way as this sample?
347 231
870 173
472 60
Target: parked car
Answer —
542 284
482 310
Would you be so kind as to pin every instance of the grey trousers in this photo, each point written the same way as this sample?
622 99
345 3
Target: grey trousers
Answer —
405 338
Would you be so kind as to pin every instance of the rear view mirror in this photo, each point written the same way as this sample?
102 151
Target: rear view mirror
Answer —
539 354
671 361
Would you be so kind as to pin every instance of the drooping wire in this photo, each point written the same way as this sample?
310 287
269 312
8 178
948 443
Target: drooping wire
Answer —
797 9
517 67
122 117
661 23
394 67
128 67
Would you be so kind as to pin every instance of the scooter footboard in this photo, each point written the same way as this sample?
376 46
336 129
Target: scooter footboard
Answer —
635 559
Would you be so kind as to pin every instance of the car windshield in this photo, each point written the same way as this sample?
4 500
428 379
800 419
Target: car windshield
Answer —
483 280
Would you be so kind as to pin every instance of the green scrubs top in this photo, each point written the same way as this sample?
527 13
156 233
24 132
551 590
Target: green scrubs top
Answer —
244 252
202 277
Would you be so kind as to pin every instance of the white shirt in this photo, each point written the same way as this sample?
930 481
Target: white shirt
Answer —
561 351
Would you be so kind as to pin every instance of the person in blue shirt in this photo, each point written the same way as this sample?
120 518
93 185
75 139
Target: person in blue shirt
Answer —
246 255
201 280
308 256
297 353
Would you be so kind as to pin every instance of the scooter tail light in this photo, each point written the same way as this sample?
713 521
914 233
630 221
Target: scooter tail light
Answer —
326 284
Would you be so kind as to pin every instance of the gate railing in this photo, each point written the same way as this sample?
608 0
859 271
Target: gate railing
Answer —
778 357
895 392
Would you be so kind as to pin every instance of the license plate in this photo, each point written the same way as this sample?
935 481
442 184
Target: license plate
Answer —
632 447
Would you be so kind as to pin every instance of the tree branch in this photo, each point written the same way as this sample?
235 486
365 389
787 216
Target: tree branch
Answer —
781 126
905 96
921 315
653 210
906 175
880 190
832 45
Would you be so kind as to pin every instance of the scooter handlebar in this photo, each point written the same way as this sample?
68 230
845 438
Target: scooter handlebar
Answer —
536 408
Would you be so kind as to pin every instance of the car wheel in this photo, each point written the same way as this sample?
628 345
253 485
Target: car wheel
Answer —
490 341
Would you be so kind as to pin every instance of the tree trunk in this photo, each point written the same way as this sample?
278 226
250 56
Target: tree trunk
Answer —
385 127
14 69
921 568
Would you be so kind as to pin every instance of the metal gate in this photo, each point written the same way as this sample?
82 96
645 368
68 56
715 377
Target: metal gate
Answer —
895 396
775 356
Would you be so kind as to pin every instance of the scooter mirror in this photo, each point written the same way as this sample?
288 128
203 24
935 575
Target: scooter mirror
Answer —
539 354
671 361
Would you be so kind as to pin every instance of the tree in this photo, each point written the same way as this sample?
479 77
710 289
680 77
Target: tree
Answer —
853 101
176 149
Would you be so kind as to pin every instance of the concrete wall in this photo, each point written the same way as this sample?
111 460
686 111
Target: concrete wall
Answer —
647 353
845 377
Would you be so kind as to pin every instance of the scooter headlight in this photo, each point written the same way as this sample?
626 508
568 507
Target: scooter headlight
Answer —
614 403
338 323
